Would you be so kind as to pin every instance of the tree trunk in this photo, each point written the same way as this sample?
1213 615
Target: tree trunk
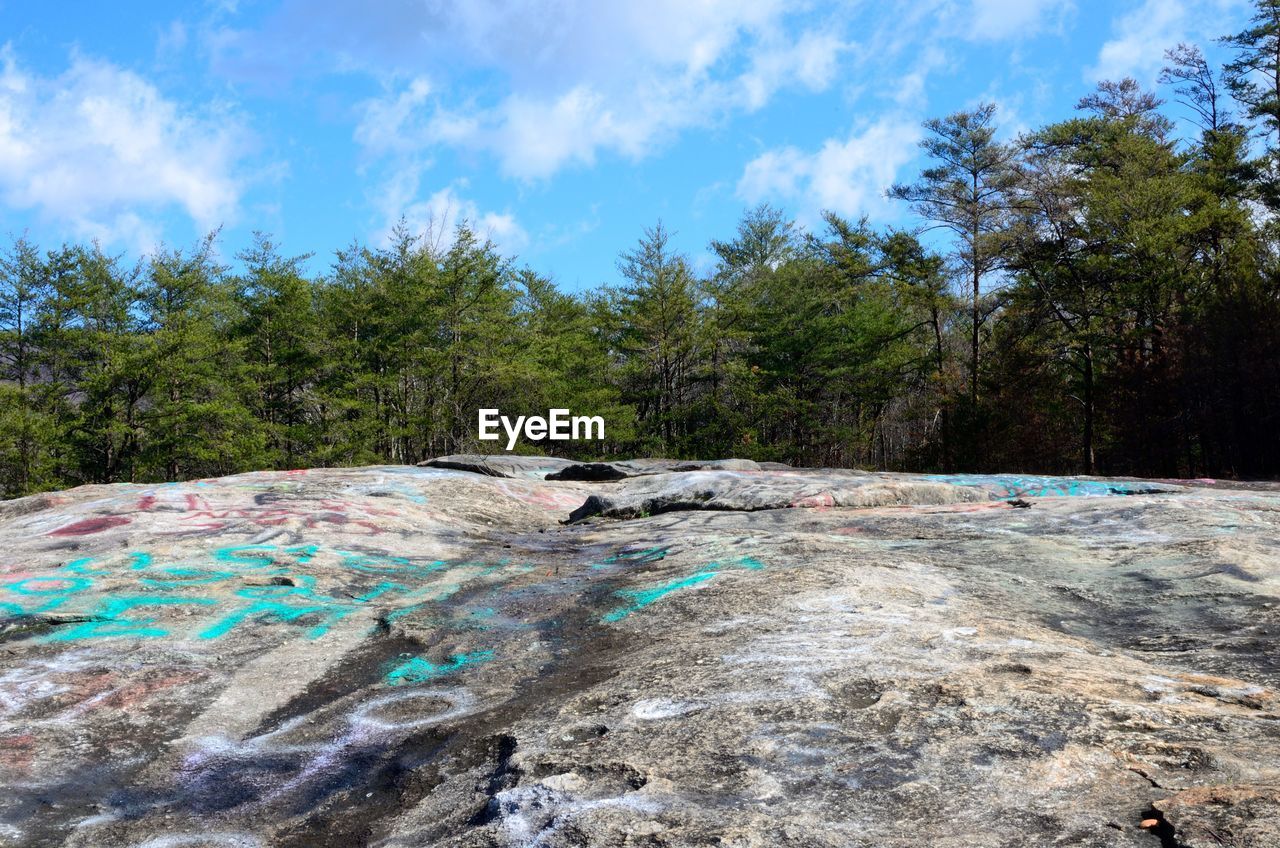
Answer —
1088 411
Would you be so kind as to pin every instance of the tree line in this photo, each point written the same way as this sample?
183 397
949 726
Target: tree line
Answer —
1104 298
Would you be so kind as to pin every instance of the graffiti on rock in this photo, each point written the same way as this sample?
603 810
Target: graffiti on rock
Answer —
419 670
89 526
95 598
1013 486
638 599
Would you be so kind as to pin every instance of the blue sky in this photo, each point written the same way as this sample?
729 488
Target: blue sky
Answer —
561 128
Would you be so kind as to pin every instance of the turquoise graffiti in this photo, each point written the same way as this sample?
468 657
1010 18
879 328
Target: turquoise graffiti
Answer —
111 619
419 670
638 599
642 556
135 595
301 590
1009 487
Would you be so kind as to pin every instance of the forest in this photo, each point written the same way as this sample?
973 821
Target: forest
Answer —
1098 296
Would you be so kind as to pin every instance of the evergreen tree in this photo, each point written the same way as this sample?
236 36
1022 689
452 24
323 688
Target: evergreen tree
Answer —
967 191
1101 248
97 360
278 328
1253 78
1118 310
658 337
25 432
197 422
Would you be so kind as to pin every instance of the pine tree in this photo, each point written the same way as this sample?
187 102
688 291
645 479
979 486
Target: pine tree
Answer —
967 192
278 328
25 431
1253 78
658 340
197 422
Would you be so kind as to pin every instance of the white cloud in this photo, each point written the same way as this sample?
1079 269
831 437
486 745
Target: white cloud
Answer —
590 78
1140 37
848 176
810 60
387 123
911 88
999 19
97 148
551 42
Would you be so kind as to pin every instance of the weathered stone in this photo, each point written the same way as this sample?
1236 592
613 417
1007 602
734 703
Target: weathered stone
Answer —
1212 816
501 465
605 471
399 656
751 491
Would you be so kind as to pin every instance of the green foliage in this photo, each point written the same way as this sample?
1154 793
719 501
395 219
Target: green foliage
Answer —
967 192
278 343
656 338
1105 298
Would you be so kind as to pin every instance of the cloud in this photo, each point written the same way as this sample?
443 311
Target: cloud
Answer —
98 150
1140 37
541 87
544 86
810 60
387 123
848 176
994 20
171 41
535 42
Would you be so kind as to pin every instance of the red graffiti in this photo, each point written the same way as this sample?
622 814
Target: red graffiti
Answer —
89 526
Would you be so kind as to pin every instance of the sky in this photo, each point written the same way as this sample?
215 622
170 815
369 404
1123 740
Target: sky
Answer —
558 128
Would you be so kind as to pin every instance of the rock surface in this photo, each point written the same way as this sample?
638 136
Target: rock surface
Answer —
709 655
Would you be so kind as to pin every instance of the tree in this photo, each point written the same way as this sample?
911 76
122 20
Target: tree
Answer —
476 301
563 354
196 422
967 191
742 282
96 359
658 342
1253 78
1196 85
26 432
1127 101
1100 248
278 328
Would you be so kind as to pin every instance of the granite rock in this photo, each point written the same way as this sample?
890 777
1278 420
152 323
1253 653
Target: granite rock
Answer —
423 656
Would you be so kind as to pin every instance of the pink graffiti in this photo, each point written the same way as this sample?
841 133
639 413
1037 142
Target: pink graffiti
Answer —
555 500
822 500
202 515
